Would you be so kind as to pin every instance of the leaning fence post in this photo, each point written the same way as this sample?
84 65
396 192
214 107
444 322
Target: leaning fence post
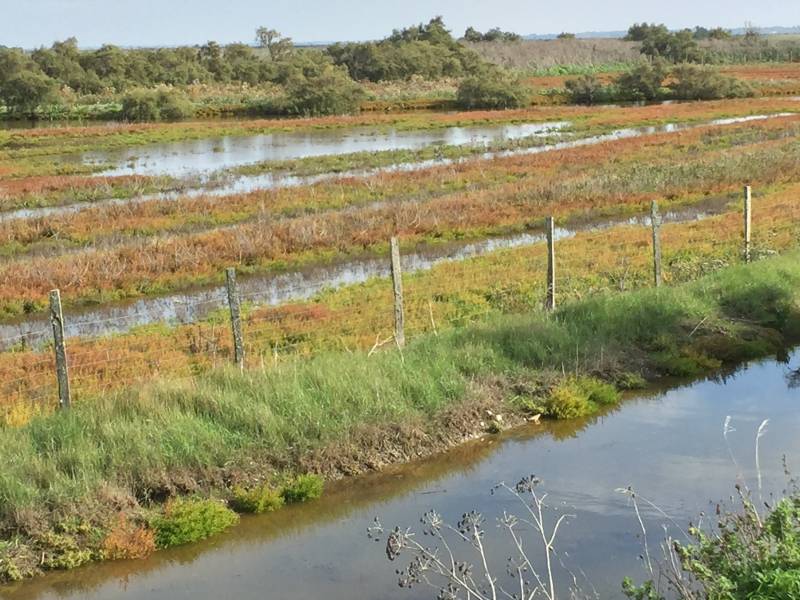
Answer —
550 302
57 321
236 317
748 220
397 280
655 220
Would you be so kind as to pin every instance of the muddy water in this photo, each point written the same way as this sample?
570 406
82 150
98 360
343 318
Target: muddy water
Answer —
667 444
300 284
179 159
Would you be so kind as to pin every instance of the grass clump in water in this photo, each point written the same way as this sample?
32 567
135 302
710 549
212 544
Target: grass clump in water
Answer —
577 397
187 520
303 488
260 499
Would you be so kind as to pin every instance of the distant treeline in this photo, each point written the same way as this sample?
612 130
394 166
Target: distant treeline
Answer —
709 46
314 81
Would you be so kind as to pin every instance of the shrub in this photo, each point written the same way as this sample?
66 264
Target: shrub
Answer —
187 520
586 90
26 91
258 500
303 488
173 105
128 540
330 92
579 397
493 89
156 105
643 82
17 561
747 557
692 82
140 105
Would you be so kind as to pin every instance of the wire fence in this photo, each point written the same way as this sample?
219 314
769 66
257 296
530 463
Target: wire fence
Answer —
370 316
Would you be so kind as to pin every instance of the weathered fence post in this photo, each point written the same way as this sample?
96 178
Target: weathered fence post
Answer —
57 321
397 280
236 317
655 221
550 301
748 220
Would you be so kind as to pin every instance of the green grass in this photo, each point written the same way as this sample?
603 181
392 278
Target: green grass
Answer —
153 442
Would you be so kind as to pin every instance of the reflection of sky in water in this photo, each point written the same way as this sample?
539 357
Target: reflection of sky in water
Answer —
204 156
669 447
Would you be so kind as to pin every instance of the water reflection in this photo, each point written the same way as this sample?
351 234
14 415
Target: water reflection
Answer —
667 444
193 157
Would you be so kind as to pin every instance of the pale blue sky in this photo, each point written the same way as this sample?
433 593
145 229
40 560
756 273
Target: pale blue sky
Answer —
31 23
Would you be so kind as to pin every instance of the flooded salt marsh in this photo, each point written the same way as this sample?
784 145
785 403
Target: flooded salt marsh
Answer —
667 443
299 284
219 183
179 159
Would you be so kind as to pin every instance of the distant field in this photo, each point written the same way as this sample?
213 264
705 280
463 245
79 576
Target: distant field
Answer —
535 56
542 54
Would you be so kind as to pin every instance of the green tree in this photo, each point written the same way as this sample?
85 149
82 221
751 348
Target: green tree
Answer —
693 82
586 90
493 89
212 58
27 90
276 45
638 32
109 63
329 92
473 35
643 82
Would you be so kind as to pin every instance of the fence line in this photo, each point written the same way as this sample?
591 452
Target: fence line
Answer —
266 332
655 221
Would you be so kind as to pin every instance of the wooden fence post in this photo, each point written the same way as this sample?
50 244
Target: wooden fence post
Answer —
655 221
397 280
550 301
236 317
62 373
748 220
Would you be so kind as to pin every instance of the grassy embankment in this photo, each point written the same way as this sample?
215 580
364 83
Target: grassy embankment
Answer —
91 483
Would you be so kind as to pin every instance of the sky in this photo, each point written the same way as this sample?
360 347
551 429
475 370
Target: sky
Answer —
32 23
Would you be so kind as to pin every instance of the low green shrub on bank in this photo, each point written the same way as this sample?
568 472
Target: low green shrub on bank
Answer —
303 488
267 497
257 500
187 520
579 397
